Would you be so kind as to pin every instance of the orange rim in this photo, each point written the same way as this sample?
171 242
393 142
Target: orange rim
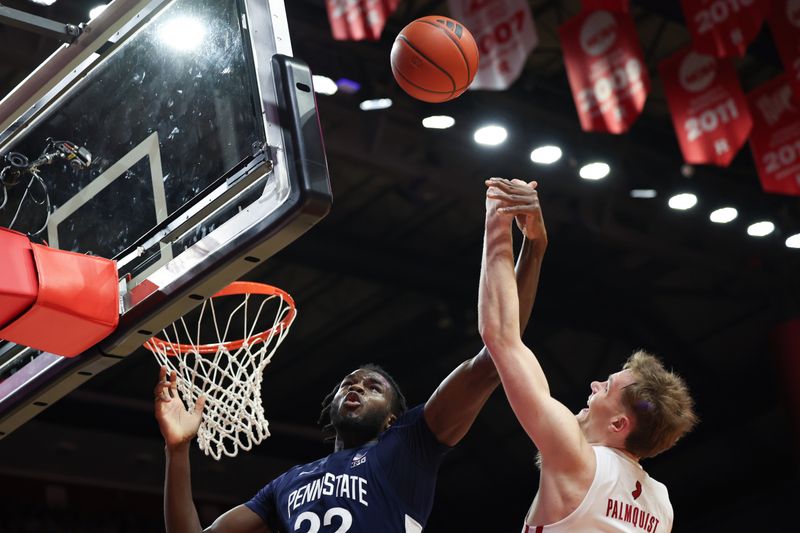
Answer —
237 287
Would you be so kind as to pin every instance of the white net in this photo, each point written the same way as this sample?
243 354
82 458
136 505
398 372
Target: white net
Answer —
228 373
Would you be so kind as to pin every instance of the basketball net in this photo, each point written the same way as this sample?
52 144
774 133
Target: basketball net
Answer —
227 373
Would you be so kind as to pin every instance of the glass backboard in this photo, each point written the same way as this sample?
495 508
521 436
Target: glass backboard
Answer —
196 153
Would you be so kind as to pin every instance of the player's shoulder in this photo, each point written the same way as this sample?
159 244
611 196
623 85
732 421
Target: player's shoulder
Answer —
411 417
306 468
658 487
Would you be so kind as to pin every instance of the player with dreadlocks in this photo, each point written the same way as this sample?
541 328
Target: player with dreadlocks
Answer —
382 473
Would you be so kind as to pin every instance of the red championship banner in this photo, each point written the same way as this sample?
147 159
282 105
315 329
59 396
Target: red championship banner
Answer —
775 139
709 109
357 20
606 5
784 21
606 69
724 28
505 34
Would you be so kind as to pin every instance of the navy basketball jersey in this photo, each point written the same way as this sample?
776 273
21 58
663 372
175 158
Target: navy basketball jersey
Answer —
386 486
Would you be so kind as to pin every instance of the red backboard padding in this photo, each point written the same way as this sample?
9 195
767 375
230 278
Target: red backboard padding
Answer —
76 307
18 283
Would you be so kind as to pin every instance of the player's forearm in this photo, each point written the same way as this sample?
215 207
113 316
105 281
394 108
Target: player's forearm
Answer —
455 404
498 302
529 265
180 515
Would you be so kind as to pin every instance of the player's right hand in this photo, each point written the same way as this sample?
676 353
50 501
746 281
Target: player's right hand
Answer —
177 424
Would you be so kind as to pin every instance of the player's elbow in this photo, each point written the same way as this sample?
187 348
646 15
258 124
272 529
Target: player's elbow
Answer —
489 329
496 338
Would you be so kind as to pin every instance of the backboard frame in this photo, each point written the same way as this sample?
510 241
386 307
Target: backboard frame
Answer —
294 152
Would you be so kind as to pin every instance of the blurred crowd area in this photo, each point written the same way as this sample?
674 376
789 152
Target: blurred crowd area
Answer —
47 506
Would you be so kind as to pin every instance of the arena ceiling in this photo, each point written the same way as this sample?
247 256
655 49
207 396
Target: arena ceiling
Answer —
390 276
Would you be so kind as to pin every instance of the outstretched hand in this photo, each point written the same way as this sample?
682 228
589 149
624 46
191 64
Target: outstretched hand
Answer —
177 424
520 199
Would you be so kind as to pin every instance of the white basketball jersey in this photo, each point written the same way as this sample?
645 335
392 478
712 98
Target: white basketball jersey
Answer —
622 498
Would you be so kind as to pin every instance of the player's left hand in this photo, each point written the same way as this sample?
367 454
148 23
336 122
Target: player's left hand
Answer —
521 200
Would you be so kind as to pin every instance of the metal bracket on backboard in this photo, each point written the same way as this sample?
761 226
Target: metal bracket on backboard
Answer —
59 71
180 223
49 28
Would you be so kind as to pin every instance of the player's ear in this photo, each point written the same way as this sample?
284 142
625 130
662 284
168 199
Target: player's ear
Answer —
620 423
390 419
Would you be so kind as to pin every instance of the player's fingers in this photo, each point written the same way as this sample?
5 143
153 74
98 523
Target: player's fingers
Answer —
199 405
173 384
516 210
161 391
162 374
500 183
510 197
517 188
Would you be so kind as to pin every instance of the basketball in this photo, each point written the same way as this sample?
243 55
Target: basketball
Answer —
434 59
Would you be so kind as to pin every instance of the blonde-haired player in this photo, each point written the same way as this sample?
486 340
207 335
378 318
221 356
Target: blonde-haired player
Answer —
591 479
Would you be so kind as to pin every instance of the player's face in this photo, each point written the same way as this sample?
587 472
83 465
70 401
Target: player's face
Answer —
604 404
362 405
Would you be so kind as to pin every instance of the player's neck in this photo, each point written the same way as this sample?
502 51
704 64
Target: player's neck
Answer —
620 449
345 441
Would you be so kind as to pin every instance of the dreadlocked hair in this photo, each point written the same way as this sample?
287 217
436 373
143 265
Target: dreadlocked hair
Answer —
398 404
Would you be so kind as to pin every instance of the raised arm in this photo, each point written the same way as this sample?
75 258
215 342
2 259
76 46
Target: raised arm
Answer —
549 424
178 427
455 404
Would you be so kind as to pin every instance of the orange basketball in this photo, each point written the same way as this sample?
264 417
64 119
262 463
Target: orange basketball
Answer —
434 59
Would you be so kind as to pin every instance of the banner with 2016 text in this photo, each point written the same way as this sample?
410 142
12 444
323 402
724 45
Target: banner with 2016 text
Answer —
709 110
784 21
724 28
505 34
606 69
358 20
775 139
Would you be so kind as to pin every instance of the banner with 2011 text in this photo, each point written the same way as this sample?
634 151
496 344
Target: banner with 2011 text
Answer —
709 110
775 139
505 34
358 20
606 69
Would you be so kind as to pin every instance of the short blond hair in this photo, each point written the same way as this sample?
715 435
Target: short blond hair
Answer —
662 406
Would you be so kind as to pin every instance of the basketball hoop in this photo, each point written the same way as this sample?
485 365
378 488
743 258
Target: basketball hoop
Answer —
227 372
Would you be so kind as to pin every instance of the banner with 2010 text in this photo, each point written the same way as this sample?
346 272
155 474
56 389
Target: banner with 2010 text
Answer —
724 28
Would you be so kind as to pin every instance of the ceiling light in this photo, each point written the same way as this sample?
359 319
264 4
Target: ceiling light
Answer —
683 201
490 135
96 11
546 155
183 33
723 215
644 193
44 2
324 85
438 122
594 171
375 104
760 229
793 241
